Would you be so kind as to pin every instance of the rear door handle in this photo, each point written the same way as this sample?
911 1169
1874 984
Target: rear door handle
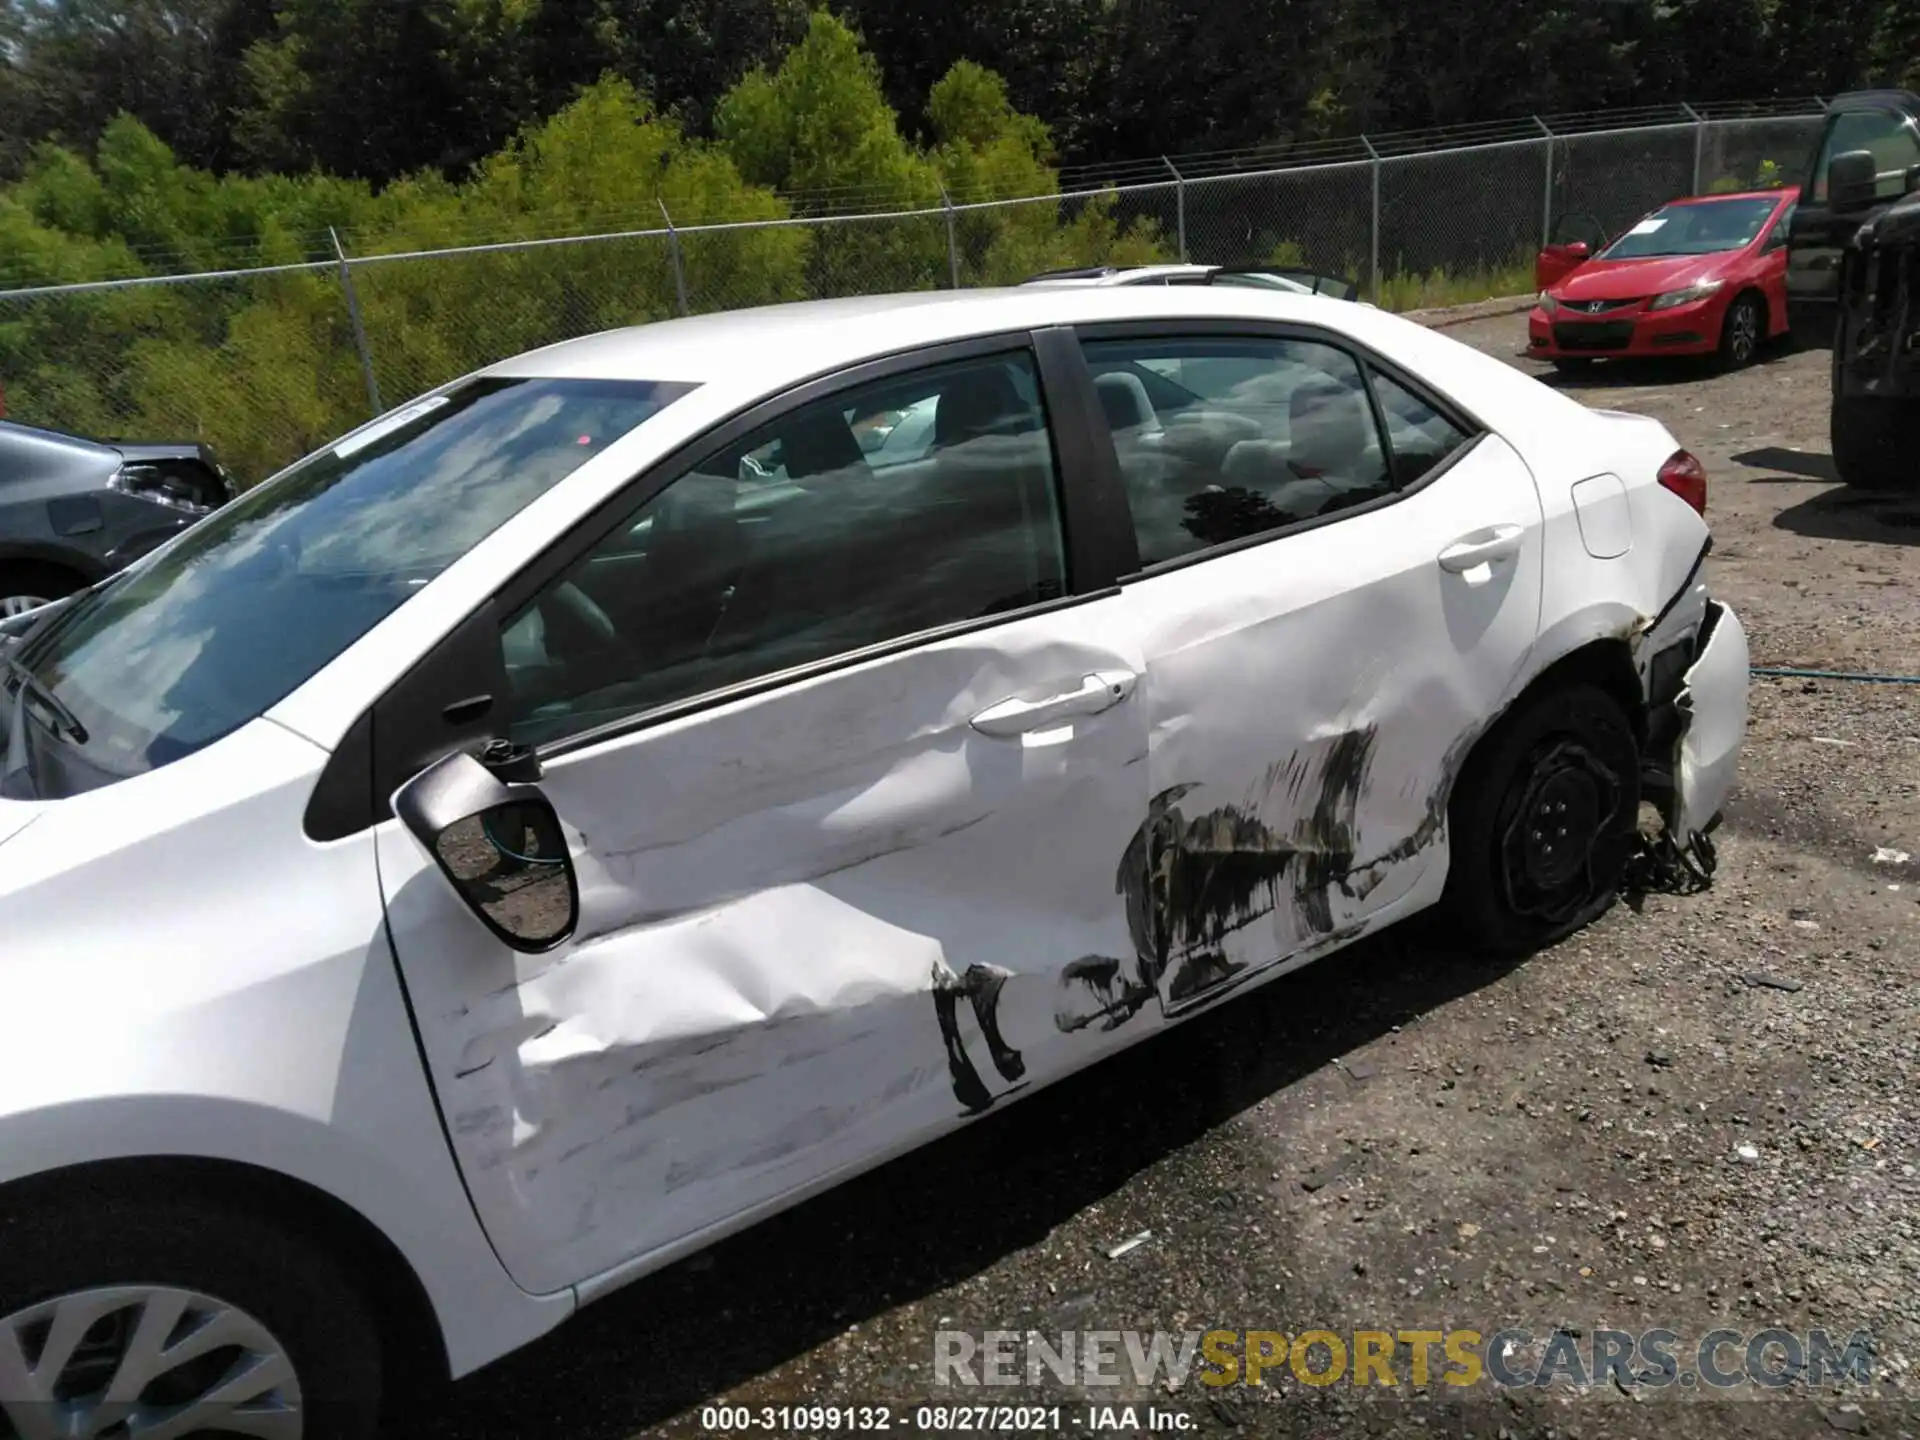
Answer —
1483 547
1100 691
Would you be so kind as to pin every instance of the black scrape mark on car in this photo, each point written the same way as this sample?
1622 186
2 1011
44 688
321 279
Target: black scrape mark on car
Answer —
1365 876
1325 846
1187 884
981 985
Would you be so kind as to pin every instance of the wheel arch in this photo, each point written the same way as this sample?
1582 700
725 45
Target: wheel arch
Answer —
411 1332
1603 661
1606 662
84 569
393 1223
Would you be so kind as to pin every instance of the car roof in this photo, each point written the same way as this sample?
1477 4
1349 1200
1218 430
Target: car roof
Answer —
774 346
1783 193
1875 100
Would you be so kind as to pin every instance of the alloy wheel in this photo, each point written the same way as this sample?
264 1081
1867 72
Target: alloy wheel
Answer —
1745 337
143 1362
12 605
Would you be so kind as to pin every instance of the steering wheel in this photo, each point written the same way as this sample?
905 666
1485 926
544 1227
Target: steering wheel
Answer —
584 649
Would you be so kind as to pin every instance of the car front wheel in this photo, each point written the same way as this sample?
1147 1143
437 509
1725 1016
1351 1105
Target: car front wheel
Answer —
127 1319
28 586
1741 332
1542 822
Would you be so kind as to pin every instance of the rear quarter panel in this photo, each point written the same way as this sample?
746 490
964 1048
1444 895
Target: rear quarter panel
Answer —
1564 442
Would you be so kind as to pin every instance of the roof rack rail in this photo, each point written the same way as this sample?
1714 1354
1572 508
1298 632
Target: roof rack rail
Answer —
1078 272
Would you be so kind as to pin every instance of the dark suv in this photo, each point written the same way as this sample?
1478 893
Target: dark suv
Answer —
74 511
1853 281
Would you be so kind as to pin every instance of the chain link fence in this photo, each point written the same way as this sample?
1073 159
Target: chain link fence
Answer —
268 364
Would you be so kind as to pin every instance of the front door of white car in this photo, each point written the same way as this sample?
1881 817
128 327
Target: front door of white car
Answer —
1330 616
848 776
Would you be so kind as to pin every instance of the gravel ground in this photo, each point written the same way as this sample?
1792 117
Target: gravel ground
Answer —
1694 1115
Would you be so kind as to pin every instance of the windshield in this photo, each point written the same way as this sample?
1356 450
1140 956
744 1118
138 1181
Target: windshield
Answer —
257 597
1701 229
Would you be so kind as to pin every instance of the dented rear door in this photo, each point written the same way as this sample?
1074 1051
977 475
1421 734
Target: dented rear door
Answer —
1325 636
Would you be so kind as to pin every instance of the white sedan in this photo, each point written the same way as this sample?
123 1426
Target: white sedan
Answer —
607 800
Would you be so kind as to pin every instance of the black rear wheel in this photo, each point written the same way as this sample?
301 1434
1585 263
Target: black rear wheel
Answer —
1542 822
1876 442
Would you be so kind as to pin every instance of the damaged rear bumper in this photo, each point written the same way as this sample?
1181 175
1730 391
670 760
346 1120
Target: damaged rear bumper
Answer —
1711 710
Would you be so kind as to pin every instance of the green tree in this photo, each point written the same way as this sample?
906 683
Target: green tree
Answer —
67 68
818 128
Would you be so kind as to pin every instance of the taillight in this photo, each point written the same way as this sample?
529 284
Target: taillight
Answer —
1686 477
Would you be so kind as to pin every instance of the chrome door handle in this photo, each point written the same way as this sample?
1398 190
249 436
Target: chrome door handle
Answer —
1100 691
1483 547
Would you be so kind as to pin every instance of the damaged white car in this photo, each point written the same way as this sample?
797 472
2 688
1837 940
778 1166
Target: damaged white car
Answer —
609 799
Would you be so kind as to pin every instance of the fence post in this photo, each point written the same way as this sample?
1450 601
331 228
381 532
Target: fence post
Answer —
1373 262
1546 203
1699 143
359 329
679 268
953 240
1180 206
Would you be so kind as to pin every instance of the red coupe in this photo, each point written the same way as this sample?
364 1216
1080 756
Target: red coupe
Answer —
1704 276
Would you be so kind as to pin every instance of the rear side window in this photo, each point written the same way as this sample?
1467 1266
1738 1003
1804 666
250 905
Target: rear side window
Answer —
1886 136
1222 439
1419 435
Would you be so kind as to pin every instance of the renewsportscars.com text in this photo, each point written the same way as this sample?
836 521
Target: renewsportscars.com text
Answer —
1719 1360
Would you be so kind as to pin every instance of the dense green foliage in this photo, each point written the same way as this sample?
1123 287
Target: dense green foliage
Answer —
378 89
148 137
265 366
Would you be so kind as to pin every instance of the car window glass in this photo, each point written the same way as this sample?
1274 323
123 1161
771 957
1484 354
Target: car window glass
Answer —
1888 138
1702 228
1419 436
1783 227
256 598
1220 439
809 539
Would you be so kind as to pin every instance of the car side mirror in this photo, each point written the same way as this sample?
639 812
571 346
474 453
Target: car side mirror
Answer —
500 846
1853 180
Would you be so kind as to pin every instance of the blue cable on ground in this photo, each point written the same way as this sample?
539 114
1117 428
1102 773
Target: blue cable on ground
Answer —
1789 674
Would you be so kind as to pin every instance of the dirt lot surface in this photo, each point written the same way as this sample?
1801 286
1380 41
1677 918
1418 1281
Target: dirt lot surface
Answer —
1692 1117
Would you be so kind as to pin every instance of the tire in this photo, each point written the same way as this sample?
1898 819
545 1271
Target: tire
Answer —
1876 442
1743 332
1510 892
33 580
293 1302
